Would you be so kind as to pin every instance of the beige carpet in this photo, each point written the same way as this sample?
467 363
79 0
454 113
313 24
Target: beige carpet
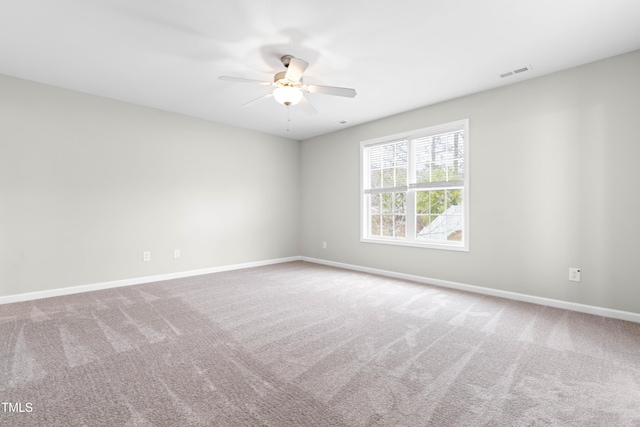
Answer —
299 344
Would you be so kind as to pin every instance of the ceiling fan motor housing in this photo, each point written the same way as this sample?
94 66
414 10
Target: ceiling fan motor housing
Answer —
280 79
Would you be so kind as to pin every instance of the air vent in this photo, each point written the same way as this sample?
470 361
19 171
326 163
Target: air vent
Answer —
516 71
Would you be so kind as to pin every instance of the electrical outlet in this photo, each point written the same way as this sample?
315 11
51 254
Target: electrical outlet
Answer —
574 274
146 256
324 245
176 253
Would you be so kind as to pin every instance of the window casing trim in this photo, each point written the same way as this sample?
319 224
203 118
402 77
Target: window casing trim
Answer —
412 187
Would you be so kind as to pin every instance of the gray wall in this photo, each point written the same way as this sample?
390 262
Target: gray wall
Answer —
88 183
554 171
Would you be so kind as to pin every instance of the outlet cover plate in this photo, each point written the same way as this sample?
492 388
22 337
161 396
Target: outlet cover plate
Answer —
574 274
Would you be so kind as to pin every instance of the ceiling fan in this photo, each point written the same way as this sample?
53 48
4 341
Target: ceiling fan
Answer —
289 88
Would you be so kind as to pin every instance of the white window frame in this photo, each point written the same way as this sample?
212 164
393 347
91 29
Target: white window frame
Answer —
411 188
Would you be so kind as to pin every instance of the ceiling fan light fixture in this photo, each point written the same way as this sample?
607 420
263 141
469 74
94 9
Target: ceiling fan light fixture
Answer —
287 95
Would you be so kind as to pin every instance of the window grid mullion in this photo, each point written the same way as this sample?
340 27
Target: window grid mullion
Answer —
411 193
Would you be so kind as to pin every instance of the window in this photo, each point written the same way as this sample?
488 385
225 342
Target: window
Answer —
414 188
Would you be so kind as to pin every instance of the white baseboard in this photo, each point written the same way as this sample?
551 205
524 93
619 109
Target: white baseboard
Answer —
582 308
136 281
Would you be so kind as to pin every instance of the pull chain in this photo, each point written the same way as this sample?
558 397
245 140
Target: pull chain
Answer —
288 116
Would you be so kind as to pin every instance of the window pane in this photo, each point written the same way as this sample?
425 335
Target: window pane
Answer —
388 178
387 225
387 203
388 155
438 172
401 176
455 147
455 236
422 202
400 202
375 157
421 222
376 178
454 197
374 203
436 201
375 225
399 226
401 154
428 227
457 171
423 163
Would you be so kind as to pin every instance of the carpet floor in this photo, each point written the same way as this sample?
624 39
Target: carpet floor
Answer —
300 344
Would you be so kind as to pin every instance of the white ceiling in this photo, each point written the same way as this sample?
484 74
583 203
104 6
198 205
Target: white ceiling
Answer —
399 55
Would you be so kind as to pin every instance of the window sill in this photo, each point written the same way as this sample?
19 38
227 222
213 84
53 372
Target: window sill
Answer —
442 246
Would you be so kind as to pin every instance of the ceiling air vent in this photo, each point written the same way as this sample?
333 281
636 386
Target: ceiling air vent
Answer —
516 71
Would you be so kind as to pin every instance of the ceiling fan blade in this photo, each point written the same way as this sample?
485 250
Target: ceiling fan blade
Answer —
307 106
243 80
330 90
295 70
267 95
